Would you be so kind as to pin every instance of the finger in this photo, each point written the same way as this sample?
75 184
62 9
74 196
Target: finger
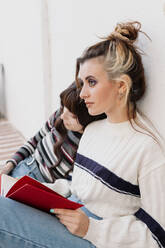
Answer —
71 227
63 211
80 210
65 222
67 219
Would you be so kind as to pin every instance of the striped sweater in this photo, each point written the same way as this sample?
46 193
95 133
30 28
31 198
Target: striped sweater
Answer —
122 180
41 147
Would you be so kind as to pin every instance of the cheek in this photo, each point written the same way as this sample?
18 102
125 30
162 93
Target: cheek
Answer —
106 98
110 93
102 95
77 125
73 122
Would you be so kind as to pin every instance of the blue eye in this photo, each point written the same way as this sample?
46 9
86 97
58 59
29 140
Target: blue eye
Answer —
92 82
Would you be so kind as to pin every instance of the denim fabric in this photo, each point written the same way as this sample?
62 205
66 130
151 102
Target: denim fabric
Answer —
28 167
84 209
22 226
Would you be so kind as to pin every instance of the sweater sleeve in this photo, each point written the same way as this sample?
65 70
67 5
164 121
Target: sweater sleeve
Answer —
60 186
29 147
143 229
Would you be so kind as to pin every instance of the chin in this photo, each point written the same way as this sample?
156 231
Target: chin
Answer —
67 127
94 112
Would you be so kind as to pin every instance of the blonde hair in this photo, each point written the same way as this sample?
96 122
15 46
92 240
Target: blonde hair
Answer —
122 57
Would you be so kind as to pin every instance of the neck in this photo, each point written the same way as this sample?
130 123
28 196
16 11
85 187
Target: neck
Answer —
119 115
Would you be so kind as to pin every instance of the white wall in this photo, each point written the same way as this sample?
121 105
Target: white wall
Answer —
21 47
74 25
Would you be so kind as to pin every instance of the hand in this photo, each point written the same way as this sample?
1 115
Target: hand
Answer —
76 221
7 168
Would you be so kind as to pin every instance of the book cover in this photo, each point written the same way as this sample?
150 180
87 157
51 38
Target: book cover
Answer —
33 193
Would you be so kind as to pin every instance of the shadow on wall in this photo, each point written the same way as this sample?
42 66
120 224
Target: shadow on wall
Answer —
2 93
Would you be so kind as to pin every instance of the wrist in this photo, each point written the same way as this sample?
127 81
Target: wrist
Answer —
9 165
11 162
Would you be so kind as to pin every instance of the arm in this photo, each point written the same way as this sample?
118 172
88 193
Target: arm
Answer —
146 227
9 166
61 186
132 231
29 147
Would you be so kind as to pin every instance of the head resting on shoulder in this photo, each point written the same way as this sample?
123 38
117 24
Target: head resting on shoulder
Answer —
70 98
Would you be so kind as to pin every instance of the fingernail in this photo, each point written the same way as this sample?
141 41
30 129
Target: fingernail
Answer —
52 210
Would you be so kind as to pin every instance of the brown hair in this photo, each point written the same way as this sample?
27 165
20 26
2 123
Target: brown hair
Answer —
122 57
71 100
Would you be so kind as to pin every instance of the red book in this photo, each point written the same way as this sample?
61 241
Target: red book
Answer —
33 193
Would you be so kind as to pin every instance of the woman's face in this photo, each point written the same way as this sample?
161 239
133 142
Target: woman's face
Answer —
99 93
70 121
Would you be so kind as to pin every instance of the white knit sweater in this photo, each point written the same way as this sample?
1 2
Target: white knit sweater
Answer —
119 175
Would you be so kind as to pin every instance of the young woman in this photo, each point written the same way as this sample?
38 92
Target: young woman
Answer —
51 152
119 168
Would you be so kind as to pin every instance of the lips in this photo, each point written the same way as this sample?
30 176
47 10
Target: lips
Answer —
88 104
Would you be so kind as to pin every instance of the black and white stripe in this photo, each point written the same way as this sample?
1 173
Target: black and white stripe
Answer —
107 177
158 232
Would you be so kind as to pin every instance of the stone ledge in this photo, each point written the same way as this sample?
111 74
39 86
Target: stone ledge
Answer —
10 140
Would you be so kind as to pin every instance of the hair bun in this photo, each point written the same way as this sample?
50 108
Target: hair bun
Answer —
126 31
129 30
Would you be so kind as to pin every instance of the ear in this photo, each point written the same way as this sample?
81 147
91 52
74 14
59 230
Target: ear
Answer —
124 84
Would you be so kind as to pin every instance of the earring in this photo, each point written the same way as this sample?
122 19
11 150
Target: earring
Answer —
121 95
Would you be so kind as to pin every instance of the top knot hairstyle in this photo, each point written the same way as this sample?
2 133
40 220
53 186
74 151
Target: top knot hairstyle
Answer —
126 31
120 57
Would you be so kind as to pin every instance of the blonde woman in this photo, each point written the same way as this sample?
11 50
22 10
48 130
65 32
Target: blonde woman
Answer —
119 168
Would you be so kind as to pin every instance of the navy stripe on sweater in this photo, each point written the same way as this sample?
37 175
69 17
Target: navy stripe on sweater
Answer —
156 229
106 176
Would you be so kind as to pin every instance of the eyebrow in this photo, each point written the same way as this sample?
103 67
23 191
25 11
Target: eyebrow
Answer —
89 77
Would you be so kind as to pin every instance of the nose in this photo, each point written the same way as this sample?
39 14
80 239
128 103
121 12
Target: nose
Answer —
63 115
84 92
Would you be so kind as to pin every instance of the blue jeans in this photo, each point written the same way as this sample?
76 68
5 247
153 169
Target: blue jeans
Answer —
28 167
22 226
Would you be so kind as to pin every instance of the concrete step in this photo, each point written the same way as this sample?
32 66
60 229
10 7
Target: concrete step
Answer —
10 140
